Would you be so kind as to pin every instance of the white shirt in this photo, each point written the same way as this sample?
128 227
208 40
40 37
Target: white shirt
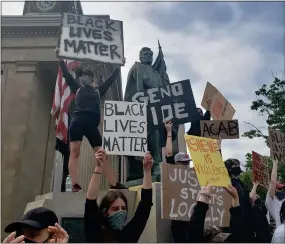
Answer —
273 206
279 234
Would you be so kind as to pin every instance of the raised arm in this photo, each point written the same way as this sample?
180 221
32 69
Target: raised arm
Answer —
252 194
135 227
108 82
92 221
108 172
273 180
71 82
168 147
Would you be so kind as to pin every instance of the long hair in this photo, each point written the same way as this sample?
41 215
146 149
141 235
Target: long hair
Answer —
282 212
107 201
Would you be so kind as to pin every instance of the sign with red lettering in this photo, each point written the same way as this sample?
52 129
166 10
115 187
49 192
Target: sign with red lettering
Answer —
277 144
208 162
219 129
260 170
180 192
214 101
89 38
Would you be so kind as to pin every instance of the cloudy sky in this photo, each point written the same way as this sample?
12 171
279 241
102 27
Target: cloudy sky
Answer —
234 45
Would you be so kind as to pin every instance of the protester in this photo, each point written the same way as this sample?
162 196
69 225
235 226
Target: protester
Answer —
234 170
279 234
260 225
38 225
106 223
195 129
272 203
197 230
86 116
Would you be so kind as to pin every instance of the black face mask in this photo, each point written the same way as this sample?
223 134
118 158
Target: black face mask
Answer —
236 171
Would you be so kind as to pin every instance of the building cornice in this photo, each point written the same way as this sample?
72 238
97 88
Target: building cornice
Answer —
34 25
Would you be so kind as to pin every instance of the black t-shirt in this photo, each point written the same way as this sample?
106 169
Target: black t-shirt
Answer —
88 97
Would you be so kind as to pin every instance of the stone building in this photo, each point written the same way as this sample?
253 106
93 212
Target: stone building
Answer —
29 67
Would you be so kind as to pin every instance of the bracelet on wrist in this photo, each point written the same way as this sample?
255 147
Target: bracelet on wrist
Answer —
208 196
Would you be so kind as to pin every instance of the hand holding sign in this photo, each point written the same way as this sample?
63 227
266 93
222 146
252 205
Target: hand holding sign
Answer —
168 126
100 156
233 192
147 162
205 193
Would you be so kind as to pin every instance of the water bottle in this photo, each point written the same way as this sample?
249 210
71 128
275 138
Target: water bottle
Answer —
68 184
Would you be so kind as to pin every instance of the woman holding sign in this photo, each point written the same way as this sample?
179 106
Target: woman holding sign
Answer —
106 223
86 116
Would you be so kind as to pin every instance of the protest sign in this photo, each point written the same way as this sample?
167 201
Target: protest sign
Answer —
215 102
180 192
208 162
124 130
171 102
277 144
260 170
219 129
90 38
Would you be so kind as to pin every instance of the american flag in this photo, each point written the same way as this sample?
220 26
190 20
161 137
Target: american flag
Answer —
62 98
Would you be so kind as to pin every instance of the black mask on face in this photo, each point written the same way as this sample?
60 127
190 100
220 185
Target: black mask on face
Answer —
236 171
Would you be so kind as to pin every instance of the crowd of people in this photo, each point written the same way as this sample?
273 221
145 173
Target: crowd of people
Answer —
107 221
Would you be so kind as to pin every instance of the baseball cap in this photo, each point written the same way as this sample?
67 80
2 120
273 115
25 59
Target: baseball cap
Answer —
214 235
38 218
182 157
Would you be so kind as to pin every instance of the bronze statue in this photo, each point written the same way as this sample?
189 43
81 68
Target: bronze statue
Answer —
143 75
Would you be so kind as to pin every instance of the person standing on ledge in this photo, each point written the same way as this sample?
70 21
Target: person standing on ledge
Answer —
86 116
195 129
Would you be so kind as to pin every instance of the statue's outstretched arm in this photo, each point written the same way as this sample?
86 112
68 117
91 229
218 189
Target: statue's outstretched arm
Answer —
108 82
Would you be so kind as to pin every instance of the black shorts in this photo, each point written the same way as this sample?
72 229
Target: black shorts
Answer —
85 125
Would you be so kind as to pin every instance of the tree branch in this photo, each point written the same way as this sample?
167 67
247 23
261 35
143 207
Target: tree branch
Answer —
255 128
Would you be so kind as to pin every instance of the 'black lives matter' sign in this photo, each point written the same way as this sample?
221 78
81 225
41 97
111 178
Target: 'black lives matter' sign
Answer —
125 128
90 38
171 102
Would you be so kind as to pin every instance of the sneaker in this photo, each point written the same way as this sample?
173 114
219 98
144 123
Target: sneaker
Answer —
76 188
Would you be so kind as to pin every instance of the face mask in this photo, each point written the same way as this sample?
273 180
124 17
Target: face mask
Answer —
117 220
236 171
86 80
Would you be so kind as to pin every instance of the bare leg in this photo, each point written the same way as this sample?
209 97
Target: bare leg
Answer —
107 169
73 160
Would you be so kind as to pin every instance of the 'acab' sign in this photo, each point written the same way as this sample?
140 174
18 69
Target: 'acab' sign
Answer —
171 102
90 38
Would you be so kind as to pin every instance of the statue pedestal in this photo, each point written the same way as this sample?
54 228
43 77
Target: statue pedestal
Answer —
69 208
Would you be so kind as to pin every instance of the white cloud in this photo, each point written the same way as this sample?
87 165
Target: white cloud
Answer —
229 58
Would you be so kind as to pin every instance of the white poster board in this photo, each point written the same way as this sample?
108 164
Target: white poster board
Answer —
125 128
89 38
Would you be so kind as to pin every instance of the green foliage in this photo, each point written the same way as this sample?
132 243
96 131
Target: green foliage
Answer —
270 103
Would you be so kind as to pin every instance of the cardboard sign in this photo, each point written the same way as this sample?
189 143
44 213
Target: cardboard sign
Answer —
180 192
215 102
208 162
171 102
277 144
125 129
89 38
223 129
260 169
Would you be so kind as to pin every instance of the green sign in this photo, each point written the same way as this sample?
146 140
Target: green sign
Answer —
75 229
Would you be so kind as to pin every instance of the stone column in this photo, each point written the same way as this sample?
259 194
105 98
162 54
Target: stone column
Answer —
26 107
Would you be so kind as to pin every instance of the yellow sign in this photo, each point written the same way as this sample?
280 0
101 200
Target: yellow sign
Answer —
208 162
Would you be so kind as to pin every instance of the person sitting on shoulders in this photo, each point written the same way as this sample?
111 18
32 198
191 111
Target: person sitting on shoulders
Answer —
107 222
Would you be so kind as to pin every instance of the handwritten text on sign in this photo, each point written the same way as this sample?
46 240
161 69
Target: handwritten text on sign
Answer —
90 38
215 102
224 129
171 102
180 192
125 129
260 170
277 144
208 162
